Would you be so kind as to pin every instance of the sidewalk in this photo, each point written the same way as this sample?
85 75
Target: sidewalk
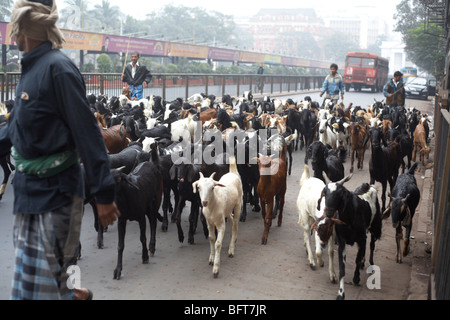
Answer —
423 229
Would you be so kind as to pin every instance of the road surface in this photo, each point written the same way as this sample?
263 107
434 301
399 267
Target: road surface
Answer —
276 271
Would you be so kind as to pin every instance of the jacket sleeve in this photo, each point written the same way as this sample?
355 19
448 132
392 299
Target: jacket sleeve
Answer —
325 85
125 74
74 108
385 89
341 85
148 76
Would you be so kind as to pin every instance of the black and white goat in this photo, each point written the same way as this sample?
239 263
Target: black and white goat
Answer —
310 192
354 214
404 200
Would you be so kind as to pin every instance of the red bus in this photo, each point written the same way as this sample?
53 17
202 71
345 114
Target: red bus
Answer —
365 70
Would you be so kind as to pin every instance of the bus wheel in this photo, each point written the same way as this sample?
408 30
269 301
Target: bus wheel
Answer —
347 87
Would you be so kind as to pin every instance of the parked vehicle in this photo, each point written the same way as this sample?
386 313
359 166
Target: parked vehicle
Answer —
420 87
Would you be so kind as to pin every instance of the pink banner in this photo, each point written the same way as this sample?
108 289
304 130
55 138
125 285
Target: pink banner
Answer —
223 54
3 33
123 44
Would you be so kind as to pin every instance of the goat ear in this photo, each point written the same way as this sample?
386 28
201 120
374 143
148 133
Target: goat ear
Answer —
216 184
320 199
194 186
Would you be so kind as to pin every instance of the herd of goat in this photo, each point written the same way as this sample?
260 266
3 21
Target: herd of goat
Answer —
222 154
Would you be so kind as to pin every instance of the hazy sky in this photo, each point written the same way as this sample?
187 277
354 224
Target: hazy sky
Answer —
138 8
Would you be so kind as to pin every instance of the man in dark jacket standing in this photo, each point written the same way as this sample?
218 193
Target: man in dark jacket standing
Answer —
49 129
394 91
137 76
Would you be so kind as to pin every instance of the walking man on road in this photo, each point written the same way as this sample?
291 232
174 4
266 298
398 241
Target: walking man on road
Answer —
394 91
137 76
49 129
332 85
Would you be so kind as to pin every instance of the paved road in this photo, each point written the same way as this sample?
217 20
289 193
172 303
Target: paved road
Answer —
276 271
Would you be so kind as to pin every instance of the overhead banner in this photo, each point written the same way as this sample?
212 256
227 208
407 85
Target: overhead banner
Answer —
82 40
272 59
142 46
246 56
223 54
188 50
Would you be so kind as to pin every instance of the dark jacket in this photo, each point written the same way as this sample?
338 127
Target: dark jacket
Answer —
142 74
51 114
398 99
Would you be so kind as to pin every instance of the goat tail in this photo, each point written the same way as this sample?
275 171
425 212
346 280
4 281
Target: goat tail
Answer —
413 168
233 165
305 175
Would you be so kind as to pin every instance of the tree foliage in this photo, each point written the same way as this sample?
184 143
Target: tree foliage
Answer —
5 9
426 48
424 44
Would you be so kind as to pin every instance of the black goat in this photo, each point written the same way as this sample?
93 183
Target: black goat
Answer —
184 175
406 145
404 200
138 195
325 160
354 214
293 121
384 162
308 122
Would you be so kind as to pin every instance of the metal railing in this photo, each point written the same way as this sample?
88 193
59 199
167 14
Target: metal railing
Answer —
172 86
441 200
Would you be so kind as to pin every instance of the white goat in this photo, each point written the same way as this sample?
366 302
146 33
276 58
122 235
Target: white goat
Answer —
310 193
220 200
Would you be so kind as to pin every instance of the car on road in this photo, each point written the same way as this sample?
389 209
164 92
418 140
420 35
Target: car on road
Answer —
419 87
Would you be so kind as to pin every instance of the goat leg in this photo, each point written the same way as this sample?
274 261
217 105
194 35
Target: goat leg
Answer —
406 240
342 258
360 257
152 219
121 227
398 238
143 239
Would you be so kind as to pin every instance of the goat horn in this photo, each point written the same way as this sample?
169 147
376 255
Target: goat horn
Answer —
386 213
327 180
347 178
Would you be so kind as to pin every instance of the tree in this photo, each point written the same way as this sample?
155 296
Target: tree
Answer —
424 45
5 11
107 15
409 15
426 49
104 63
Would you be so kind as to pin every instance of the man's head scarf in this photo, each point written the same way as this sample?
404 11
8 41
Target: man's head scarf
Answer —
36 20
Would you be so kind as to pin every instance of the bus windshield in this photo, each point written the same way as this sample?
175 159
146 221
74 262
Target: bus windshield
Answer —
354 62
368 63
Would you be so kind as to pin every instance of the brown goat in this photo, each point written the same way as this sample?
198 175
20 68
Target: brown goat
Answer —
271 185
116 137
357 137
420 143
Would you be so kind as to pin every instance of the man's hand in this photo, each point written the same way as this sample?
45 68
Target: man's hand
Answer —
107 213
390 95
144 84
321 94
